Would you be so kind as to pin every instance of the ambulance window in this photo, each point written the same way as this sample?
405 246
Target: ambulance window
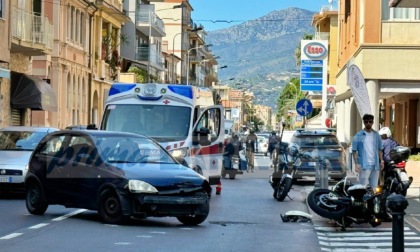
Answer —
210 122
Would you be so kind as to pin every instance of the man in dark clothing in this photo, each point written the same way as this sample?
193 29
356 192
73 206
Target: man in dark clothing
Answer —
388 144
231 149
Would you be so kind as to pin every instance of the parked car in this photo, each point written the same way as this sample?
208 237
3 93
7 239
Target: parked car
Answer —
16 146
262 142
325 149
117 174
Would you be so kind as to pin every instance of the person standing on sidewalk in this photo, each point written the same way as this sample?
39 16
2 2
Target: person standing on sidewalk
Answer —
367 153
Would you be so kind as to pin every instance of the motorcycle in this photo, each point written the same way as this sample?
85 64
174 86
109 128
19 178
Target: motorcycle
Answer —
289 158
396 179
348 203
234 167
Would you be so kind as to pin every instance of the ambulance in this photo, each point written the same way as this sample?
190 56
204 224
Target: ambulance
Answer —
181 118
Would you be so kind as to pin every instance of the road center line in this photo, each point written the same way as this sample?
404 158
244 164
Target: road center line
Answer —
10 236
69 215
38 226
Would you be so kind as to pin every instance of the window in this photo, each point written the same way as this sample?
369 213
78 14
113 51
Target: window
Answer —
389 13
53 146
1 9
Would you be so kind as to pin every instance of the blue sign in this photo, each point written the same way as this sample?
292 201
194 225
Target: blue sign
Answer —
311 73
304 107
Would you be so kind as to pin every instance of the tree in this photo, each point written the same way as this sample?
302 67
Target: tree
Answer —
298 48
287 100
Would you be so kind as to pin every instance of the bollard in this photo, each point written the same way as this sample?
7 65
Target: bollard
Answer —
397 203
321 173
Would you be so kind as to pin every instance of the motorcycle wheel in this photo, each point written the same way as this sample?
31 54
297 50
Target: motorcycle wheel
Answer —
319 201
283 189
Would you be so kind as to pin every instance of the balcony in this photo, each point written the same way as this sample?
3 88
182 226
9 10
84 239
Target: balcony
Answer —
32 35
322 35
113 8
148 22
156 60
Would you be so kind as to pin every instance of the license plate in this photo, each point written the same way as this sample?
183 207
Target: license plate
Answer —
235 166
312 163
6 179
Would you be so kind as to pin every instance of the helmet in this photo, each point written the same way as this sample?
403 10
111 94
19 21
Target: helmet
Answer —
385 131
273 132
293 149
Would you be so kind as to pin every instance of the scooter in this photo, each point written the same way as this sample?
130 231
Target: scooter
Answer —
235 167
396 179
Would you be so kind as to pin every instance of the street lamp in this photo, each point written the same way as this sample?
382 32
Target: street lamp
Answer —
223 67
173 49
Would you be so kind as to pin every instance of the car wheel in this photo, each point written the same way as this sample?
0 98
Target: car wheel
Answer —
109 207
35 202
193 220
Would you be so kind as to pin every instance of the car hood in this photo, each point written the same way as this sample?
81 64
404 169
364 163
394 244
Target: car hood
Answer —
162 175
14 158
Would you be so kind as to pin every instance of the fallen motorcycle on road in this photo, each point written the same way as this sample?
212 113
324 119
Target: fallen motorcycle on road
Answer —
349 203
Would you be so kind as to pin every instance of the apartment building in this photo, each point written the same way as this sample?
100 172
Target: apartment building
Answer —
4 64
382 41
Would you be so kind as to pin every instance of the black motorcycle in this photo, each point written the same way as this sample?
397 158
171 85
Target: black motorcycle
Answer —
289 158
349 203
396 179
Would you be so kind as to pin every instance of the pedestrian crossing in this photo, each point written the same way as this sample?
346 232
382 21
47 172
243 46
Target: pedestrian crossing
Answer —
366 239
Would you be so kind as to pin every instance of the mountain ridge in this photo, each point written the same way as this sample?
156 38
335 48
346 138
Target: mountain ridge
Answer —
259 53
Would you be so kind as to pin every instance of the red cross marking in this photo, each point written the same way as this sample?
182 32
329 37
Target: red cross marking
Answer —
166 102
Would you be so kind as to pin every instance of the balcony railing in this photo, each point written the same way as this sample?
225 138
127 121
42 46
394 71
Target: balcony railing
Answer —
31 28
148 22
156 59
322 35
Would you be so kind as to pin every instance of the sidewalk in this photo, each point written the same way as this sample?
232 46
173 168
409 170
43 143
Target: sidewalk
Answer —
412 216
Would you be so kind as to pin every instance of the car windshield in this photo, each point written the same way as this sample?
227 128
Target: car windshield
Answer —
131 150
315 140
163 123
20 140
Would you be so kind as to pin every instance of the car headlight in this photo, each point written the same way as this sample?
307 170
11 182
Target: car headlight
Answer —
181 152
138 186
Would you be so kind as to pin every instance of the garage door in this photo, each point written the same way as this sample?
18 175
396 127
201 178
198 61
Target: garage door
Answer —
16 117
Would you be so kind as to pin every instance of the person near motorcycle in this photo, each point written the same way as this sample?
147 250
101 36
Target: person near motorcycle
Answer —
367 153
272 141
251 140
231 149
388 144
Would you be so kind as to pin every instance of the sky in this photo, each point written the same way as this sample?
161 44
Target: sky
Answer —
206 12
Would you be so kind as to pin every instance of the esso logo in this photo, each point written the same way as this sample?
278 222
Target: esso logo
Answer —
314 50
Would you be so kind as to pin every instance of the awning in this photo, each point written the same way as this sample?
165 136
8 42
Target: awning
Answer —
344 96
32 92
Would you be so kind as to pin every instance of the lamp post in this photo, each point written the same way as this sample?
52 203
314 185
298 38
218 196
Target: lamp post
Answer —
173 49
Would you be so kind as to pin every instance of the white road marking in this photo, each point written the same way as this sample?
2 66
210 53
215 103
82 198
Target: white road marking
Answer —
69 215
352 234
157 232
10 236
38 226
122 243
144 236
186 228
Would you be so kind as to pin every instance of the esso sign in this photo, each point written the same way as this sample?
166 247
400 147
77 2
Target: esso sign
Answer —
314 50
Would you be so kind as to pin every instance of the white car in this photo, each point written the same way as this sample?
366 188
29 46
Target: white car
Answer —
262 146
16 146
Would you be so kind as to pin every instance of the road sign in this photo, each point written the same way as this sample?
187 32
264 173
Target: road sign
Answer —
304 107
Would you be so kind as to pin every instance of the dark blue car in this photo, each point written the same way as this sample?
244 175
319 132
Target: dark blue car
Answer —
117 174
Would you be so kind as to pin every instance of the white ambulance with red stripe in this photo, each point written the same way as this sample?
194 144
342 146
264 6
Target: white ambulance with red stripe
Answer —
181 118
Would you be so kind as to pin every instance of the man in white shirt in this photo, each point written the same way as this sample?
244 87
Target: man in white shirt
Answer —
367 153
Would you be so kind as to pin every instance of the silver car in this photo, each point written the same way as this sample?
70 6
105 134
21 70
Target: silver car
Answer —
16 146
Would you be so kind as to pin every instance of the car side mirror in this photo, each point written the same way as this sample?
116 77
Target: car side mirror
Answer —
91 126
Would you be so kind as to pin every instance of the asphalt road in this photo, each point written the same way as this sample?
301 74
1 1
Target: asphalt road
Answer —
245 217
